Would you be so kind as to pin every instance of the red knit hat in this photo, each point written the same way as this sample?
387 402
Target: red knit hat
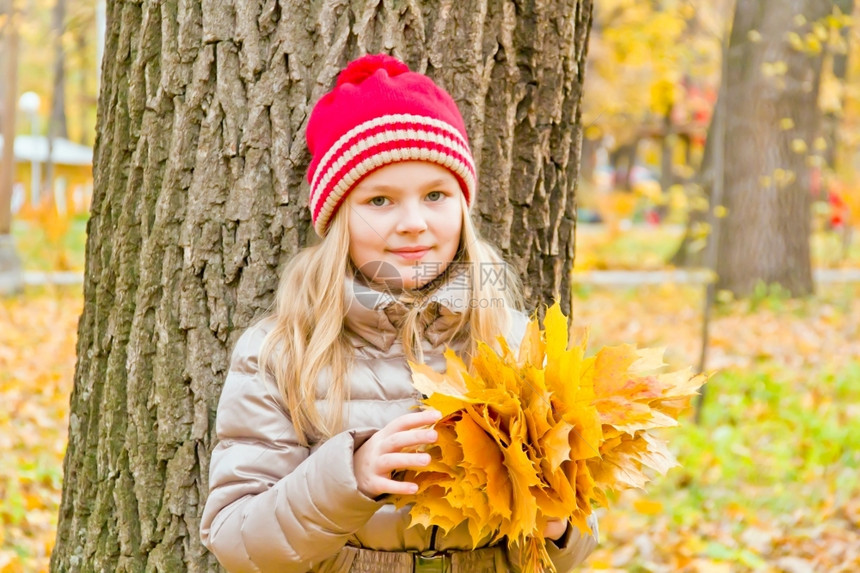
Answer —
378 113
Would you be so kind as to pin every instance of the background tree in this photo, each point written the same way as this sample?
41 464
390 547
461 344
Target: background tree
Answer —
200 198
774 75
39 60
10 264
773 118
84 63
57 119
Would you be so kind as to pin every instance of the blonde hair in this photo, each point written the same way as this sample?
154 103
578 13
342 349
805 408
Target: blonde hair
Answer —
308 337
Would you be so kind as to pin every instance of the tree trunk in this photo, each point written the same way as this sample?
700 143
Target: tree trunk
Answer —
9 38
57 124
11 279
83 99
691 250
57 119
772 92
623 160
200 198
668 143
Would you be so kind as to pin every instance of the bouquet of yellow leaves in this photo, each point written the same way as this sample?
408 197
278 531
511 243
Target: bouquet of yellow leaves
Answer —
524 440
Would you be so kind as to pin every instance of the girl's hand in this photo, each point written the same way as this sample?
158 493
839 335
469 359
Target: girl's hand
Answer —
383 454
554 529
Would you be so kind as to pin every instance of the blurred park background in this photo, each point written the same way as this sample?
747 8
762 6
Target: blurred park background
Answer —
769 478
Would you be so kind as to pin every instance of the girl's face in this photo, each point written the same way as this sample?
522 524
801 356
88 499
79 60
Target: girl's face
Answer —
405 220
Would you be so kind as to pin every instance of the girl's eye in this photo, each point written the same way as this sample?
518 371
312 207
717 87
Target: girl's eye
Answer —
435 195
378 201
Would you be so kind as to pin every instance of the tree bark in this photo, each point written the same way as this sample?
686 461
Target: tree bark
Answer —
772 92
200 198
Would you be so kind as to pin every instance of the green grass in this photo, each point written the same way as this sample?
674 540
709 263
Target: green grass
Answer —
769 439
773 470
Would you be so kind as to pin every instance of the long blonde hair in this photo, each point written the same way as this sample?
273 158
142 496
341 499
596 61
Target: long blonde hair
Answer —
308 337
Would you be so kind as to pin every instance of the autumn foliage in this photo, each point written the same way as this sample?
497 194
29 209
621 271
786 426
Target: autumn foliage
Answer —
542 435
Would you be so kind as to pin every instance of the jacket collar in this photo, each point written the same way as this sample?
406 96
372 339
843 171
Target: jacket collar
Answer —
376 315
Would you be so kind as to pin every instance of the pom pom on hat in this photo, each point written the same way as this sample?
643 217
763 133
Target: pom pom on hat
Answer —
380 112
359 70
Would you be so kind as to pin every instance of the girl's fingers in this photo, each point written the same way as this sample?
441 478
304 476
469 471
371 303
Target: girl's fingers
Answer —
396 487
382 454
407 439
388 463
555 528
412 420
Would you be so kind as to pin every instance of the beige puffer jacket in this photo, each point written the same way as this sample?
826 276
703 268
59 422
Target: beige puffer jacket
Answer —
275 505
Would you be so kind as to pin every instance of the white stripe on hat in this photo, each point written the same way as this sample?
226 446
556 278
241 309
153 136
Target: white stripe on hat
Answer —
325 173
387 120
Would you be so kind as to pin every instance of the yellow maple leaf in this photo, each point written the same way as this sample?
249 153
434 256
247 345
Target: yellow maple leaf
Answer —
428 381
556 444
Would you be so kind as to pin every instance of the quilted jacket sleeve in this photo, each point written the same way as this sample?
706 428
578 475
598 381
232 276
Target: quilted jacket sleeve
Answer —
273 505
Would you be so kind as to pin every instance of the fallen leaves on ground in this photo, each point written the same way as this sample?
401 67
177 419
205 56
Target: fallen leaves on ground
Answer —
37 360
770 480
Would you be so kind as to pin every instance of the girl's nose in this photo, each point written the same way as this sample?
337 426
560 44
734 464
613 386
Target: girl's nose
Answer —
412 219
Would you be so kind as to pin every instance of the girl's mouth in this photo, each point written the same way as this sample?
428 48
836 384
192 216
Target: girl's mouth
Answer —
411 254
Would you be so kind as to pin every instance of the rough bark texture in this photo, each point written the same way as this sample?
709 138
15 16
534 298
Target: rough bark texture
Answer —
200 198
765 236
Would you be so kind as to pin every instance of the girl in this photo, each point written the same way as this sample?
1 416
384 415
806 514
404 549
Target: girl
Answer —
318 412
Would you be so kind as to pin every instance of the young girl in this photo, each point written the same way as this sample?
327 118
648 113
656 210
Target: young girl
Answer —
318 413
